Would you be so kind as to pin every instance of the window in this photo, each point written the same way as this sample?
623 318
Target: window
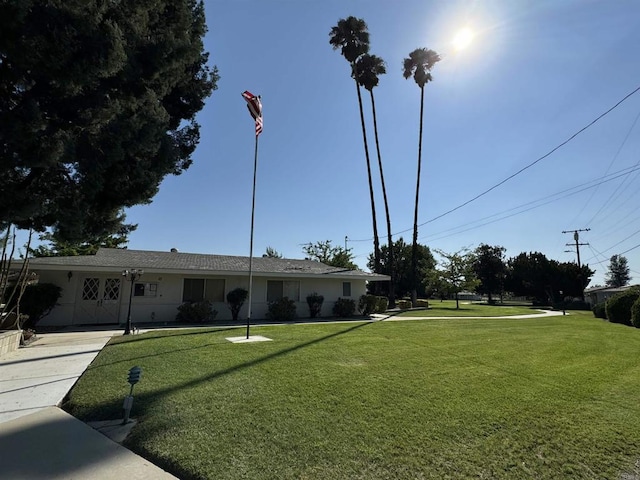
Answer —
277 289
198 289
145 290
346 289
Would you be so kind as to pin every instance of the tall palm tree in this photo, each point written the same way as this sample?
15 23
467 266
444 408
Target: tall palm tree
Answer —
368 70
350 35
418 65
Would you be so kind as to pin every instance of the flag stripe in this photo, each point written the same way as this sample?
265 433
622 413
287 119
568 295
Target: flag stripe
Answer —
254 105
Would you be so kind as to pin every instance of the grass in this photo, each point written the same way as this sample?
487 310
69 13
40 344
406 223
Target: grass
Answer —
447 308
546 398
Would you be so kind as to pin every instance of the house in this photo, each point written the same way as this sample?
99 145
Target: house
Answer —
95 291
596 295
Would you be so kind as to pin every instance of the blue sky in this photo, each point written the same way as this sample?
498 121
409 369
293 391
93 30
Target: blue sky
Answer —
536 73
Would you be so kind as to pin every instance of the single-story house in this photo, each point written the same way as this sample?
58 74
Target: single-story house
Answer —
95 290
596 295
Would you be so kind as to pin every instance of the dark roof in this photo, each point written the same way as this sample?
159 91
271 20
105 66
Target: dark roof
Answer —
118 259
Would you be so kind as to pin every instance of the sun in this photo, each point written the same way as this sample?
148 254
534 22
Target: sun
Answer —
463 38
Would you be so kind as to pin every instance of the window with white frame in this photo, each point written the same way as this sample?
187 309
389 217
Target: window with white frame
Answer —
346 289
277 289
199 289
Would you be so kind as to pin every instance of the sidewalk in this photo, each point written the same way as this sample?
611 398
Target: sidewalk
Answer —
40 441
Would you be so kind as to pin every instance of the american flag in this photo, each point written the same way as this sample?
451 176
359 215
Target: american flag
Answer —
255 109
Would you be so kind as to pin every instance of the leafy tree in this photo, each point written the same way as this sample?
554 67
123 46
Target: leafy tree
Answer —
97 105
368 70
272 253
529 274
618 272
419 65
351 36
326 253
402 254
490 269
57 247
457 272
534 275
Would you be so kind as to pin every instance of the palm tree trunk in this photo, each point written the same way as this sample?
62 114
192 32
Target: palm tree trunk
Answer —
392 283
414 249
376 240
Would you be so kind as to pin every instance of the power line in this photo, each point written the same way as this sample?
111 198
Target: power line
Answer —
526 167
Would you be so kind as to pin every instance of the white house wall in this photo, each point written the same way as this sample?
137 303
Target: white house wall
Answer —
162 308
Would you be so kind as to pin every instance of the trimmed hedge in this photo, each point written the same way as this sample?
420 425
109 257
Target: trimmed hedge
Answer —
403 304
635 313
599 310
618 307
422 303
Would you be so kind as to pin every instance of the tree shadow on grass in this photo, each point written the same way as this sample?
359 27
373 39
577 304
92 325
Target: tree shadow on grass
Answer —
113 409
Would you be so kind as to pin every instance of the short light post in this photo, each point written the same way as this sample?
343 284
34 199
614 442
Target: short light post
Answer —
562 299
131 275
134 377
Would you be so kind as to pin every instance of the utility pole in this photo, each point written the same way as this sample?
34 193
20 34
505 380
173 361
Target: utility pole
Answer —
577 244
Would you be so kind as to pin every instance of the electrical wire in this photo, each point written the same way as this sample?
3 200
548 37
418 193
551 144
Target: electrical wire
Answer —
526 167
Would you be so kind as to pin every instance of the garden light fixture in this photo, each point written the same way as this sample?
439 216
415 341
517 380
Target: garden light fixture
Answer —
134 377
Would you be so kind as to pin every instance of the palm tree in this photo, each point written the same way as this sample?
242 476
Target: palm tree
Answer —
350 35
369 68
419 64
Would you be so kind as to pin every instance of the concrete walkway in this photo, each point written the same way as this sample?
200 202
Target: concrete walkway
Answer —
40 441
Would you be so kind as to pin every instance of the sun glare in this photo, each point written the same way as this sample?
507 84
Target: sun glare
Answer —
463 39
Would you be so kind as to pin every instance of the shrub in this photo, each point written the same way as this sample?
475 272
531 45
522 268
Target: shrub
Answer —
37 301
422 303
196 312
618 307
315 302
382 305
344 307
283 310
235 300
367 304
599 310
403 304
635 313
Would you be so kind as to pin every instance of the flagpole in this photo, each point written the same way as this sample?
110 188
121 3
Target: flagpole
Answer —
253 207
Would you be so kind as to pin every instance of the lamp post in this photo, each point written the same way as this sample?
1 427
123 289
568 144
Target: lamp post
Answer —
131 275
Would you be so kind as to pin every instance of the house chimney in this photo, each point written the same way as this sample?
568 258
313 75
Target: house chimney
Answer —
174 250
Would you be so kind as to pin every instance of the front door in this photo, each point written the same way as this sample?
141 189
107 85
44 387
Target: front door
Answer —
98 301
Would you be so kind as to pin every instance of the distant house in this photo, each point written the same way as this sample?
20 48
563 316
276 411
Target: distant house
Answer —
96 292
597 295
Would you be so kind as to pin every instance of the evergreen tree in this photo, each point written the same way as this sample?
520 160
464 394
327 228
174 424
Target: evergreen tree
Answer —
618 272
97 105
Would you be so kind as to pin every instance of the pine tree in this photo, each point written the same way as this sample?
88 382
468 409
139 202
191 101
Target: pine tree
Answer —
618 272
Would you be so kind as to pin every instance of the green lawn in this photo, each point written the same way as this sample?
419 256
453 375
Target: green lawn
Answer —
549 398
447 308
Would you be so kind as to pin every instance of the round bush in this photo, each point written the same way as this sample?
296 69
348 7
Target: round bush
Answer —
635 313
283 310
315 302
618 307
367 304
382 304
344 307
196 312
599 310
